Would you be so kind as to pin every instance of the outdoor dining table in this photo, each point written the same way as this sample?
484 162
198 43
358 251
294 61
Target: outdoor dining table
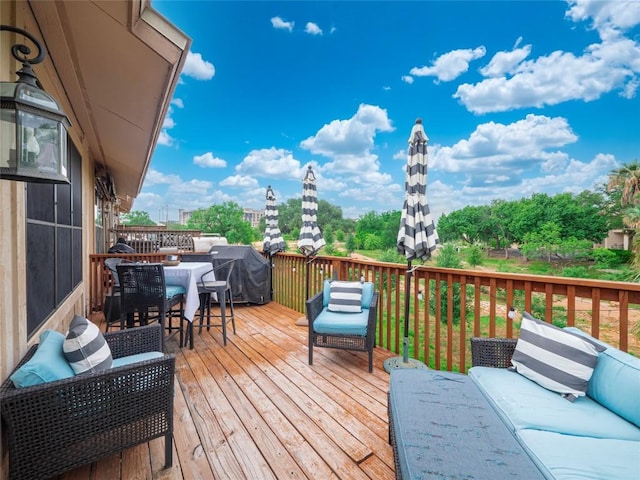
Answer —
188 275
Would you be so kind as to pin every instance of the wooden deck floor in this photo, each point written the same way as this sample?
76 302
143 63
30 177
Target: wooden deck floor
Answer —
255 409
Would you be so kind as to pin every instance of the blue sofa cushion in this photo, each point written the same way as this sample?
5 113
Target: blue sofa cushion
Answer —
567 457
47 363
335 323
367 294
554 358
615 383
85 348
524 404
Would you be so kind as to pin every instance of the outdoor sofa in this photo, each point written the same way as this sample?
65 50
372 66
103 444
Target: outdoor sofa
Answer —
597 436
62 424
439 424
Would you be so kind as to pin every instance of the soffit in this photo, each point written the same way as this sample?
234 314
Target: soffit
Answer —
118 71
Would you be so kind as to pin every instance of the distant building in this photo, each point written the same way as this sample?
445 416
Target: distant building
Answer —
253 216
184 216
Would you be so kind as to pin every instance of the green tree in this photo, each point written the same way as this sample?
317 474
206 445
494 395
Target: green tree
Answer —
226 220
137 218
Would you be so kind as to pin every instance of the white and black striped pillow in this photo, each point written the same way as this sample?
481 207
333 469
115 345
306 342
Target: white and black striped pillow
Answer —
345 297
85 348
557 360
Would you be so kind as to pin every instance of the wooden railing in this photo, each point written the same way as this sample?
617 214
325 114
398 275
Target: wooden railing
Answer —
439 330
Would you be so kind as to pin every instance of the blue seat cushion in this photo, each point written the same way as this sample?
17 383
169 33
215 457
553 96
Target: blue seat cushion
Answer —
523 403
138 357
47 364
173 290
568 457
339 323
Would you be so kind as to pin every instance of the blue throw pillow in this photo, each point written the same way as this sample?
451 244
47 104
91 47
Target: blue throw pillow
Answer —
46 365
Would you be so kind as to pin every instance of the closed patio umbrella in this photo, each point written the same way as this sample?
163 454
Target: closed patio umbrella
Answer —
310 239
417 236
273 241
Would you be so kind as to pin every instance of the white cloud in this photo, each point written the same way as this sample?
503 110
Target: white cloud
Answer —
312 29
451 65
208 160
177 102
496 149
618 14
613 64
505 62
165 139
192 187
239 181
279 23
270 162
198 68
407 79
154 177
354 136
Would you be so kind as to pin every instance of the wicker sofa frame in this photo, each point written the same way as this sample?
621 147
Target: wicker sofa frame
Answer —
57 426
492 352
344 342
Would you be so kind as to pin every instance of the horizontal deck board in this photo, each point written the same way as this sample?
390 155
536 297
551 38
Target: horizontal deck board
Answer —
255 409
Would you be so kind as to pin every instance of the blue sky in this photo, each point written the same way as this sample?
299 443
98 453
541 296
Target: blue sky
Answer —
516 97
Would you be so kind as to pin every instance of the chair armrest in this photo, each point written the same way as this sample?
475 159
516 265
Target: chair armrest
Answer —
314 307
492 352
132 341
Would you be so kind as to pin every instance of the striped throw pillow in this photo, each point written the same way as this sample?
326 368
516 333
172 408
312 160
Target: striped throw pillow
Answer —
554 358
85 348
345 297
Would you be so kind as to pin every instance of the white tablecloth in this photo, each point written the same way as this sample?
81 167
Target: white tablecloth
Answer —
188 275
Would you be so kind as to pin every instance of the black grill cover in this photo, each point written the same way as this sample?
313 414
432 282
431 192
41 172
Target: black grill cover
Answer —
250 279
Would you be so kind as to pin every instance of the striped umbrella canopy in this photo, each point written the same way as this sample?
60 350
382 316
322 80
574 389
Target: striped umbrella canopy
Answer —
417 236
273 241
310 239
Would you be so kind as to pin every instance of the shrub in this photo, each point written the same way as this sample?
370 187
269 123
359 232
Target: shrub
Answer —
474 256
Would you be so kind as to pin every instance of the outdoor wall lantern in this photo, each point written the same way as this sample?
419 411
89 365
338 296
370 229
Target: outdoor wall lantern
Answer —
33 127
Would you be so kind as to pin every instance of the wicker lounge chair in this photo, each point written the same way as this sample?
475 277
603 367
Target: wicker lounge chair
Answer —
57 426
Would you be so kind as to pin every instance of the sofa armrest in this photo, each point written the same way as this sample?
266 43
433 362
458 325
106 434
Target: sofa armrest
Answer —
132 341
492 352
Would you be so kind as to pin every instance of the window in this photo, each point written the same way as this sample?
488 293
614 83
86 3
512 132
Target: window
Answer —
54 242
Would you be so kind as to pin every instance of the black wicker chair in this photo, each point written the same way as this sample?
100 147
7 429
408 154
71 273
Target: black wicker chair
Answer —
492 352
57 426
344 342
143 292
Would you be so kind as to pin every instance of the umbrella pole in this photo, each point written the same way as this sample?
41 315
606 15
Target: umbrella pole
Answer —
407 299
271 273
302 321
405 362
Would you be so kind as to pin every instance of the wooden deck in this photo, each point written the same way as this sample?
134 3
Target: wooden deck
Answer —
256 409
